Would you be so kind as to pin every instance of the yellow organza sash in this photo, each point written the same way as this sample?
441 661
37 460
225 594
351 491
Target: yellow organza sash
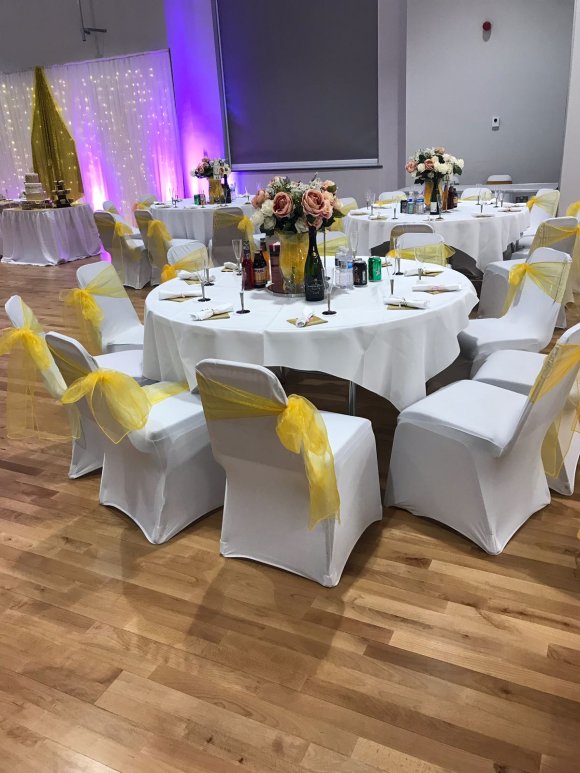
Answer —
426 253
158 242
483 196
548 235
247 228
300 429
573 209
561 360
333 243
193 261
31 370
545 201
112 209
118 403
144 203
87 314
550 276
394 200
228 219
344 209
120 229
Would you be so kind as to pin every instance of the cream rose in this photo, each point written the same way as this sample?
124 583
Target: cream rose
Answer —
268 208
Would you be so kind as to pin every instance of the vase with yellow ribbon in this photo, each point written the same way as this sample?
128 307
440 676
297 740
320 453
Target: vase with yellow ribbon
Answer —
216 191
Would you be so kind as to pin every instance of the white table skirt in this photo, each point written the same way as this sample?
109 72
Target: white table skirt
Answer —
484 239
391 353
44 237
190 221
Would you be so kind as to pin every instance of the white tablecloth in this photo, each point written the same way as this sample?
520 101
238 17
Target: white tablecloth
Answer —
391 353
190 221
484 239
43 237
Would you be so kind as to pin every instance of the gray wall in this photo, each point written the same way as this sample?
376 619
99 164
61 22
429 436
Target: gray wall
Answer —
570 181
44 32
456 82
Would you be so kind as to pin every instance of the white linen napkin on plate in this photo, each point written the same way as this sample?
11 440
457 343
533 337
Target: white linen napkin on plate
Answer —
231 266
305 317
409 303
206 313
425 287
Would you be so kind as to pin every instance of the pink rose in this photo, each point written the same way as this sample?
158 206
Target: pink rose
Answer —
329 185
259 199
439 151
411 166
327 210
429 164
283 204
313 202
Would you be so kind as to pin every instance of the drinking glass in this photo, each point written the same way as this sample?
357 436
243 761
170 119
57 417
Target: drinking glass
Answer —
237 245
353 240
369 199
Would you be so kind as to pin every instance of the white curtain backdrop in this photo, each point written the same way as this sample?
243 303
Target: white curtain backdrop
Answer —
121 113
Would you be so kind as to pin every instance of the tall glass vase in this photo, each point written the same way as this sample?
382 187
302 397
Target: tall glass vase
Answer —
215 190
293 252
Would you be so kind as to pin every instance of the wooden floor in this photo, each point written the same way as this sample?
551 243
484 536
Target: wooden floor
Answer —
429 656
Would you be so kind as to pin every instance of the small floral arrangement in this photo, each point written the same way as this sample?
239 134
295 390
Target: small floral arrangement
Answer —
294 207
211 167
433 164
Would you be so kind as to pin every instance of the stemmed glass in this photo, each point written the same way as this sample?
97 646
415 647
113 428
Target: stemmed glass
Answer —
329 288
369 198
353 240
237 245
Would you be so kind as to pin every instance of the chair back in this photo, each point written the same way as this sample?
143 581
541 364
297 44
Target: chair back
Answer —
118 313
105 223
389 195
410 240
473 194
499 179
236 442
70 356
51 378
180 252
415 228
538 214
533 309
143 217
546 236
225 228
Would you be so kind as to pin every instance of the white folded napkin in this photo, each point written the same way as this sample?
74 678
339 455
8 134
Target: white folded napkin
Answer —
208 313
181 291
410 303
426 271
304 318
193 275
425 287
230 265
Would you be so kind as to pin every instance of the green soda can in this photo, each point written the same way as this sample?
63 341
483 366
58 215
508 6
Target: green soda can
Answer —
375 269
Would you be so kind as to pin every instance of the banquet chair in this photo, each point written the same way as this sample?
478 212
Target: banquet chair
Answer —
110 206
538 214
128 253
266 511
475 194
225 229
163 476
469 456
496 275
391 197
185 257
157 257
499 179
407 228
121 328
529 322
518 371
347 204
335 239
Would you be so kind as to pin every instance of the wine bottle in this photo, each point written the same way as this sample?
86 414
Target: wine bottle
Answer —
227 190
313 271
247 268
266 254
260 270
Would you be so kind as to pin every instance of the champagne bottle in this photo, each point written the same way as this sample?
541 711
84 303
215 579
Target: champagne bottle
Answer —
227 190
313 271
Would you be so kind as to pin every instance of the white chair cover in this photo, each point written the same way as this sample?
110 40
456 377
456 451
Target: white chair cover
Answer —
496 275
143 217
412 239
134 267
499 179
409 228
539 214
267 497
469 456
528 324
121 328
517 371
387 195
471 194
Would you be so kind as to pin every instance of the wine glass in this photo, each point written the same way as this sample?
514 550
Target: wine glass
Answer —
353 240
237 245
369 198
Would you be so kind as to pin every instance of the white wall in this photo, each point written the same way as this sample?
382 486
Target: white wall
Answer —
44 32
456 82
570 180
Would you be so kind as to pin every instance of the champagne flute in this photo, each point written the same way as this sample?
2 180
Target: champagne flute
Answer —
329 289
353 240
237 245
369 198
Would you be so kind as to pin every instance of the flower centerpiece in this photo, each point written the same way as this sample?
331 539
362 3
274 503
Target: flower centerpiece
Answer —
431 166
294 212
213 169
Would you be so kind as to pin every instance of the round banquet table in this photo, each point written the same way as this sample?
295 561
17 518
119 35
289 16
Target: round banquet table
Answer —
390 352
192 221
484 239
45 237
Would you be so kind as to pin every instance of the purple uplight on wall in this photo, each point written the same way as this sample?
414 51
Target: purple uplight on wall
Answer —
196 83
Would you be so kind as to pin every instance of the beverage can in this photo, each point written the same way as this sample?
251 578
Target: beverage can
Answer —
375 270
196 198
403 206
359 271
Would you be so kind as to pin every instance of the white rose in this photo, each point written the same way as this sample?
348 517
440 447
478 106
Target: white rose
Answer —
420 168
460 163
447 157
268 208
269 223
257 218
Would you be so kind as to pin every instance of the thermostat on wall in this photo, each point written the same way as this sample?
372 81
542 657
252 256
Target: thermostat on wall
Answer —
495 122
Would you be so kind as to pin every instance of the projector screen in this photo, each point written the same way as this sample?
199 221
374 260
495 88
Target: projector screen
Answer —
300 82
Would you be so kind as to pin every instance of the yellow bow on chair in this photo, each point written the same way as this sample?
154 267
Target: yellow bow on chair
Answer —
88 314
158 242
31 370
558 439
426 253
550 276
573 209
144 203
112 209
549 235
117 402
300 429
193 261
344 209
545 201
247 228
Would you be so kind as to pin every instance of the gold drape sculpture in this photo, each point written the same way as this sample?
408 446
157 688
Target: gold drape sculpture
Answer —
54 153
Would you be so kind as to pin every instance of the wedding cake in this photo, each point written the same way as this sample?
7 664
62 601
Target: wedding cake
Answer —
33 190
